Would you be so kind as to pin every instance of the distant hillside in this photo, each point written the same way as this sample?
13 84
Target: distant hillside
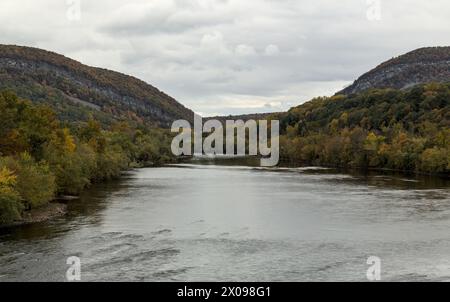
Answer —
76 91
244 117
424 65
405 130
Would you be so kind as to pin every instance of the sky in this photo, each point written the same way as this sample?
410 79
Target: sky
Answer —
222 57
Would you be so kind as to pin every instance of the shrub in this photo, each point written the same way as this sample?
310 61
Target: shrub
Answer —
110 163
435 160
72 167
35 183
10 203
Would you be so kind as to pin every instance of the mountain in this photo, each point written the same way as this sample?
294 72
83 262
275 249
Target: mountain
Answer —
395 129
395 117
424 65
76 91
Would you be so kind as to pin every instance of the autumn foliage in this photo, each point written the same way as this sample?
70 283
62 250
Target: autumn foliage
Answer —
41 157
406 130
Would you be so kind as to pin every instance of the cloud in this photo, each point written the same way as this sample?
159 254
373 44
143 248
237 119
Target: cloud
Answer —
231 56
214 44
271 50
168 16
245 50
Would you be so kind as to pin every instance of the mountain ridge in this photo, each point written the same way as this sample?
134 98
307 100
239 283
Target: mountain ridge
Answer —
45 76
423 65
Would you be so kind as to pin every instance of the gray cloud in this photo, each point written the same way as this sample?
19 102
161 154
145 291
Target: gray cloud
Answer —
222 57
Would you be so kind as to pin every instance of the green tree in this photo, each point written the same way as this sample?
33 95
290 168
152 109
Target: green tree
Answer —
435 160
10 202
34 182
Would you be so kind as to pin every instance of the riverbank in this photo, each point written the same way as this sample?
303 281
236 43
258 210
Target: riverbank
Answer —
58 207
42 214
255 161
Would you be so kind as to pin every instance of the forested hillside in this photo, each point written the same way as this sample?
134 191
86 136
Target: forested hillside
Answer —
76 91
41 157
406 130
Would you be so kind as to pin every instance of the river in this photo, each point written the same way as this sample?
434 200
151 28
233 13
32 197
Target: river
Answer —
197 222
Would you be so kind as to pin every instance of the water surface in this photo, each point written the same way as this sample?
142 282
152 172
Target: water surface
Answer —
236 223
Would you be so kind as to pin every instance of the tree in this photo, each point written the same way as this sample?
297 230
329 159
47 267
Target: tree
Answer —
71 164
33 181
435 160
10 202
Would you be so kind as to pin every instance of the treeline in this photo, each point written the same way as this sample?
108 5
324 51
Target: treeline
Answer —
42 157
392 129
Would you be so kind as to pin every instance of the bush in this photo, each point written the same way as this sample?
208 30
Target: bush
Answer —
435 160
35 183
72 167
110 163
10 202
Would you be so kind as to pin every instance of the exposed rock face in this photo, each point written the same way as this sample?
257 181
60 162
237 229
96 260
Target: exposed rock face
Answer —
423 65
45 76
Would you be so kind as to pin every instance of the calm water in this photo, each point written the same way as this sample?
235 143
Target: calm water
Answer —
237 223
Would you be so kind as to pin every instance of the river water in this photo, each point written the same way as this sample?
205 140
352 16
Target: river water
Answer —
195 222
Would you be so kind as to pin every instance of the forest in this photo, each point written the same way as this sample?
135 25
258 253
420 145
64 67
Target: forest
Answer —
406 130
42 157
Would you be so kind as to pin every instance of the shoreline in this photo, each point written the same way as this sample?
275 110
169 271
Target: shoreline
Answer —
55 208
385 170
283 163
58 207
42 214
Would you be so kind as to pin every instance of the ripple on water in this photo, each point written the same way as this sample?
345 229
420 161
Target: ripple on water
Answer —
162 232
238 224
170 273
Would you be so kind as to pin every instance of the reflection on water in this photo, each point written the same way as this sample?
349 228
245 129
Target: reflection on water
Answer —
212 222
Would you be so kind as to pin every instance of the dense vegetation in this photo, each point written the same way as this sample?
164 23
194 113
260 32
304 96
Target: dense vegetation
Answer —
88 124
41 157
394 129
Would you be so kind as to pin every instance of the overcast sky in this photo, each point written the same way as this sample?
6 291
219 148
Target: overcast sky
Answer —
231 56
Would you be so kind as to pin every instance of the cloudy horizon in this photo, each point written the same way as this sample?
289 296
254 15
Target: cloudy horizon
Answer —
226 56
